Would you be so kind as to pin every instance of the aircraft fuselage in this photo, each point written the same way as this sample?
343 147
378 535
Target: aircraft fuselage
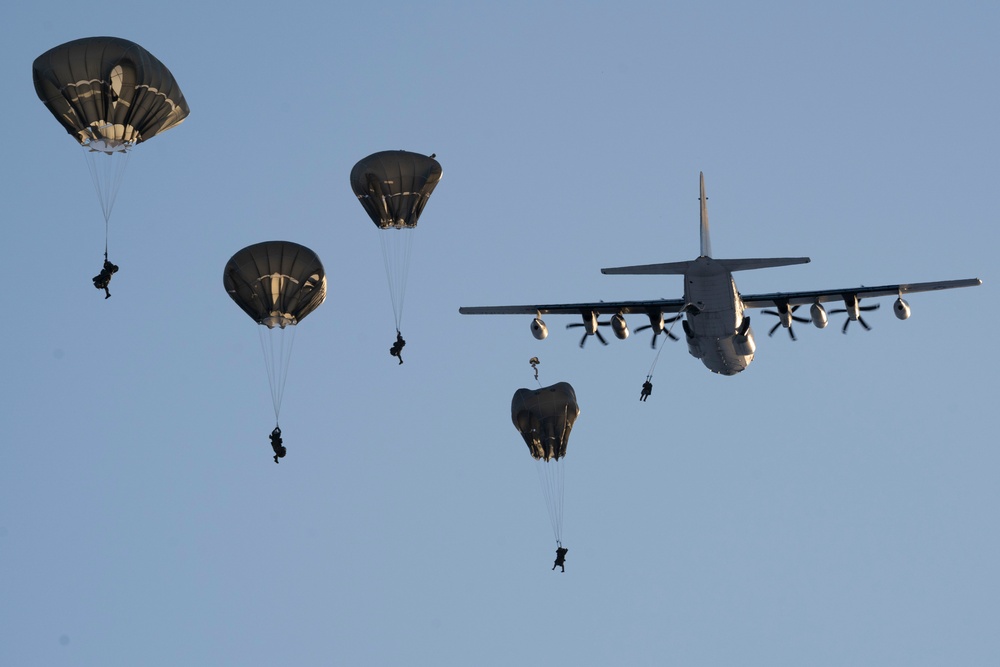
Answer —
716 330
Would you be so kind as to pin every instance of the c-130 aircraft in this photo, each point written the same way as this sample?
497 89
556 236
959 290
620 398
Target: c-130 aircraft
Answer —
712 312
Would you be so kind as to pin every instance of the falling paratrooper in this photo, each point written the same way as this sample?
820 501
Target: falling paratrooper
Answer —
110 95
544 417
277 284
393 187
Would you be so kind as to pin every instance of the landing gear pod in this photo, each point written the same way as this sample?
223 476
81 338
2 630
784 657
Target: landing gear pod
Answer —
538 329
694 347
743 342
744 345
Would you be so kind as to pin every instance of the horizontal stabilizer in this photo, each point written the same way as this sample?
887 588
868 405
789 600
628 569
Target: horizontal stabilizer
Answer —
670 268
766 263
680 268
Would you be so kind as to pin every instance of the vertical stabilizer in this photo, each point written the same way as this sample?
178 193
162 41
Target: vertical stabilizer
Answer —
706 242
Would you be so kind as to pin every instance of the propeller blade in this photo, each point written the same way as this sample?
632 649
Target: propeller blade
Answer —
671 335
847 322
788 312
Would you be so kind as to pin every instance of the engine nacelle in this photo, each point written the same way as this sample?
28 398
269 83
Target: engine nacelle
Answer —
818 314
901 309
538 329
619 327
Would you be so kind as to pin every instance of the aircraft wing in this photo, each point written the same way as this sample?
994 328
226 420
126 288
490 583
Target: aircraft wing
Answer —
822 296
774 299
598 307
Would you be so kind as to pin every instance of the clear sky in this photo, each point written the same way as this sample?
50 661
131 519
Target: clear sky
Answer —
835 504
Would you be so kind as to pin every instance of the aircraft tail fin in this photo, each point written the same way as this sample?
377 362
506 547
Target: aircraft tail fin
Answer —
680 268
706 242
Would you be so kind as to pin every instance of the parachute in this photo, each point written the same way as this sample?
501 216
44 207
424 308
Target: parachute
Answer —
544 418
277 284
109 94
393 187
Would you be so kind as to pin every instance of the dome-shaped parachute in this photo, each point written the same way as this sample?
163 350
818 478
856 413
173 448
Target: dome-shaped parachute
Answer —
544 417
277 284
109 94
393 187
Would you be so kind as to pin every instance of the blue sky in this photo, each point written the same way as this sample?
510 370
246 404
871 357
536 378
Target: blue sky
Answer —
835 504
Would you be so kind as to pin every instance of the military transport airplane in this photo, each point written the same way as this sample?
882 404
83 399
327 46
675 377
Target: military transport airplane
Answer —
715 326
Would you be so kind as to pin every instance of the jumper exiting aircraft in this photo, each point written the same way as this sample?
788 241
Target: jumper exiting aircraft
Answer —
715 326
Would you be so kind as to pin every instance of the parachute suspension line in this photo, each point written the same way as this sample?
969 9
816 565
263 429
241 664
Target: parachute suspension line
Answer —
276 344
397 247
267 348
656 358
552 478
107 170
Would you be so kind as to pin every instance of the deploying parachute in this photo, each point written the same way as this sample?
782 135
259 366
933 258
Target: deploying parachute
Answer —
276 283
544 418
109 94
393 187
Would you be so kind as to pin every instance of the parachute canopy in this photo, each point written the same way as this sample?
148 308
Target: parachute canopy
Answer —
393 186
109 93
276 283
545 417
